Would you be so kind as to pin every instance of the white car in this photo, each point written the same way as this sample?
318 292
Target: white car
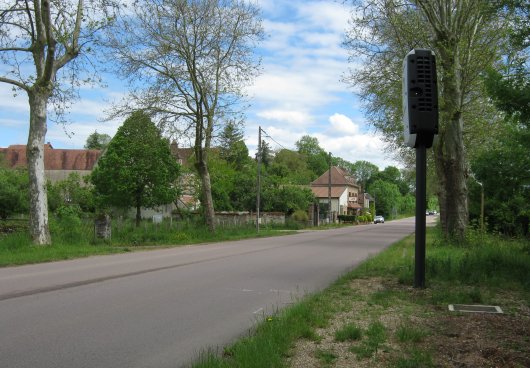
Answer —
379 219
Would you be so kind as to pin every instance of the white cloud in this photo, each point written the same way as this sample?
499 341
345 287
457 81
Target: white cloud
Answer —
298 118
343 124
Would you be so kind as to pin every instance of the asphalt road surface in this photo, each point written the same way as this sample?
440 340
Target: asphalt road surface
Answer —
161 308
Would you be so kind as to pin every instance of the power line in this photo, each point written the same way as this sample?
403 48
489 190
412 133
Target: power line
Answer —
274 140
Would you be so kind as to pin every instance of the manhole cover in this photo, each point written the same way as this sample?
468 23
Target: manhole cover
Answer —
475 308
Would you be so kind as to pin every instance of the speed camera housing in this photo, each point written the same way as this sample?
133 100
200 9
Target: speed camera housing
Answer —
420 98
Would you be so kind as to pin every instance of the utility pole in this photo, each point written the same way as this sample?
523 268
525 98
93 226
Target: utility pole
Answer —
259 180
329 190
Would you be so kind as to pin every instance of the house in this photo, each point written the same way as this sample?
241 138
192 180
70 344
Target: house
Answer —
346 195
58 163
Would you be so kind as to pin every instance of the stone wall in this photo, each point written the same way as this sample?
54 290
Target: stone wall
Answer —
244 218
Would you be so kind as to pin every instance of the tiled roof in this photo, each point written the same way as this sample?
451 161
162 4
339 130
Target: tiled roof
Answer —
54 159
338 177
322 192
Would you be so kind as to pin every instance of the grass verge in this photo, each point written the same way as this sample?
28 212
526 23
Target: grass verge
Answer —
372 317
74 238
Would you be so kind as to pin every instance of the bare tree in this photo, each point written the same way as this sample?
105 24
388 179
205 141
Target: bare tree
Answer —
38 38
187 62
467 37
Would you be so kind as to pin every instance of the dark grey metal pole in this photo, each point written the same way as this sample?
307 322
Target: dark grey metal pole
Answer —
421 184
259 180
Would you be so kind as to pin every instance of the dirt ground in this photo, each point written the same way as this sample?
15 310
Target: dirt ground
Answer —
463 340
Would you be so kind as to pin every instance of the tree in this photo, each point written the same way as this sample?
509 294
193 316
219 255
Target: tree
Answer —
265 153
466 37
188 62
363 172
503 168
291 168
387 197
39 41
97 141
317 158
393 175
232 147
138 168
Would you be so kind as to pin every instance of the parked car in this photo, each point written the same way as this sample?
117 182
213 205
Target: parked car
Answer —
379 219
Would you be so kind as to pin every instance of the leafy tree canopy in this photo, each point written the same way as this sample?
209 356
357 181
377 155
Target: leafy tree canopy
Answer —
97 141
137 169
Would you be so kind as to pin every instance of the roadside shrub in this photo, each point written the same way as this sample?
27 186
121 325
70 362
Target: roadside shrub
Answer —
68 225
300 216
346 218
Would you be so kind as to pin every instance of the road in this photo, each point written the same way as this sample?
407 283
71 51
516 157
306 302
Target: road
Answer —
161 308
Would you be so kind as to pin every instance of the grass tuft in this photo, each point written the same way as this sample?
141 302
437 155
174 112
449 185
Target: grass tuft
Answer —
350 332
410 334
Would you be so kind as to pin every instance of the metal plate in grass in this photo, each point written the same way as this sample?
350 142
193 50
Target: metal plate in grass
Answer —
495 309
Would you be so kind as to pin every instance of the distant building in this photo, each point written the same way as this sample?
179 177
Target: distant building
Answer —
58 163
346 195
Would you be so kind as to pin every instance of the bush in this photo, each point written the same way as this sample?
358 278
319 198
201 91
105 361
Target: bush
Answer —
346 218
300 216
68 225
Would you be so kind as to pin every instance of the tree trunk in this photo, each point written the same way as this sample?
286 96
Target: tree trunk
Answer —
207 200
38 212
451 161
138 213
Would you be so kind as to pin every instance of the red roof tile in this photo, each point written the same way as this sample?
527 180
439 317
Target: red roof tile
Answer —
54 159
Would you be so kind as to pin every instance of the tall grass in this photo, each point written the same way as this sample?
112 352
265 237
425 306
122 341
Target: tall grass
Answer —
74 237
484 259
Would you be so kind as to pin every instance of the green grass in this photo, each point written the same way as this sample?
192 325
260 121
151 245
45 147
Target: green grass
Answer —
376 335
454 273
415 358
349 332
407 333
326 357
74 238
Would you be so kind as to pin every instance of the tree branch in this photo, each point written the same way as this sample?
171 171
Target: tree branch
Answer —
15 83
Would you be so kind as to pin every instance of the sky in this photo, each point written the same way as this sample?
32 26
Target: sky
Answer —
299 91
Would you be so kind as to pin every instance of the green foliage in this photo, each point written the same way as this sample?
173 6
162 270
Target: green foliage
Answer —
97 141
70 192
291 168
14 192
300 216
233 183
137 169
407 204
387 197
317 158
364 171
504 171
347 218
68 225
285 198
232 147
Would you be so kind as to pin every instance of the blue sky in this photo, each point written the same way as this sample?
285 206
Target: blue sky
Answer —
299 91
